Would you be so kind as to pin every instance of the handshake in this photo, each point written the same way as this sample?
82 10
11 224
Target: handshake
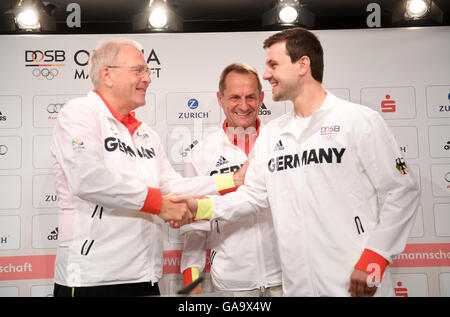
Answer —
178 210
181 210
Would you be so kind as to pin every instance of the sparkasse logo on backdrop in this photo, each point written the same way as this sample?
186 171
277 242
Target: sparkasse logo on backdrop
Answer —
45 64
81 59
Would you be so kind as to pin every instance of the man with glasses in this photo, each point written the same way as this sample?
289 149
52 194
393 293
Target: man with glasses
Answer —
114 183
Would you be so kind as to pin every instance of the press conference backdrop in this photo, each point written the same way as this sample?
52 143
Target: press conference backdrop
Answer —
402 73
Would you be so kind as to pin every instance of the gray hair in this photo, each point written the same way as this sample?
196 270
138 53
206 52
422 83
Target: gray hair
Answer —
104 54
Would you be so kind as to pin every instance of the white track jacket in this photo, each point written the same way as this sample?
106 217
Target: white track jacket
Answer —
335 189
244 254
102 173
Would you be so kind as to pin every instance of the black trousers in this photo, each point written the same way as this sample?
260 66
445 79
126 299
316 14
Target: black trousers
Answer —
116 290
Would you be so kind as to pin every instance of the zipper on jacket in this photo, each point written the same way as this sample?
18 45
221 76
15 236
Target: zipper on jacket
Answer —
217 226
359 225
262 263
311 272
261 290
211 257
95 211
86 252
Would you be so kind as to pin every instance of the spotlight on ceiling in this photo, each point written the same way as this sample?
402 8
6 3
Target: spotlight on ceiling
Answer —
417 10
287 13
28 19
32 16
157 17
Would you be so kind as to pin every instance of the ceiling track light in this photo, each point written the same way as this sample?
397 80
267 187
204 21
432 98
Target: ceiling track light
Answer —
158 17
288 13
31 16
28 19
27 15
417 10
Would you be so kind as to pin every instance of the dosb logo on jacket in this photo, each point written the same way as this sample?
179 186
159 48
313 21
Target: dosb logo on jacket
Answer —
112 144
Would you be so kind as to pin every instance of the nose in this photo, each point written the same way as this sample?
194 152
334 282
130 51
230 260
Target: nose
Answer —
266 75
146 78
244 105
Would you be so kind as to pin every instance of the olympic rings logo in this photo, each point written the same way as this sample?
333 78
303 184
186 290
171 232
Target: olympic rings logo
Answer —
54 107
46 73
3 149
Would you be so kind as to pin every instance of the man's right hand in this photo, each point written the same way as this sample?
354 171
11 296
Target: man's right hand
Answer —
190 202
177 213
197 290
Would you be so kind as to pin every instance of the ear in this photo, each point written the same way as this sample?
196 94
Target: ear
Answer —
261 98
219 98
106 76
304 65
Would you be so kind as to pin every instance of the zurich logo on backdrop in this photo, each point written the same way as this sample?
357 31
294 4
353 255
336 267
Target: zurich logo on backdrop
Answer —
192 103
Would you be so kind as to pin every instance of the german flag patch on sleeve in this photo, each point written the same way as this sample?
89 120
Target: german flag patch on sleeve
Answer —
401 165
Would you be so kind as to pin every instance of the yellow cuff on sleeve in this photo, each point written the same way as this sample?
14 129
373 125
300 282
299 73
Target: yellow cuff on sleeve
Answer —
205 209
225 183
190 275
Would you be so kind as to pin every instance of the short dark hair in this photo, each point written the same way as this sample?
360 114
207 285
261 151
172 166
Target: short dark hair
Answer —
301 42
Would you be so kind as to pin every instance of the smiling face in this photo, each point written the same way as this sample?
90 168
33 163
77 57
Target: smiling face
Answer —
128 87
241 99
282 74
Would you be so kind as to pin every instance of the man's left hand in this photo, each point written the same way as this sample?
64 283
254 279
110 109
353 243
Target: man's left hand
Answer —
239 176
358 285
192 206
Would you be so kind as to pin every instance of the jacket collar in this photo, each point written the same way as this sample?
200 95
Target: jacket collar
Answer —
129 121
243 145
288 126
225 125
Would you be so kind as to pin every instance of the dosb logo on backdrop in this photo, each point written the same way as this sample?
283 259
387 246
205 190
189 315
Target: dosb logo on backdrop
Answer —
45 64
81 59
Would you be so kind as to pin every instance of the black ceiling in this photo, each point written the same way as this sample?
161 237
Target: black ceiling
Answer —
114 16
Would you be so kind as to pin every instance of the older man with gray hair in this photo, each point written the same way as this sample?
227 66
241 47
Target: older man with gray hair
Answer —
114 183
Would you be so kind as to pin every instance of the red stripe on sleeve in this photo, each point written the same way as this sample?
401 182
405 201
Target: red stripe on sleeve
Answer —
153 201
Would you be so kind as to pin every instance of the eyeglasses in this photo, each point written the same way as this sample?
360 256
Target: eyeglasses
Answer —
140 70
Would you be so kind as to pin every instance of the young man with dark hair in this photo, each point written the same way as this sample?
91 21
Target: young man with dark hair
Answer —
342 198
